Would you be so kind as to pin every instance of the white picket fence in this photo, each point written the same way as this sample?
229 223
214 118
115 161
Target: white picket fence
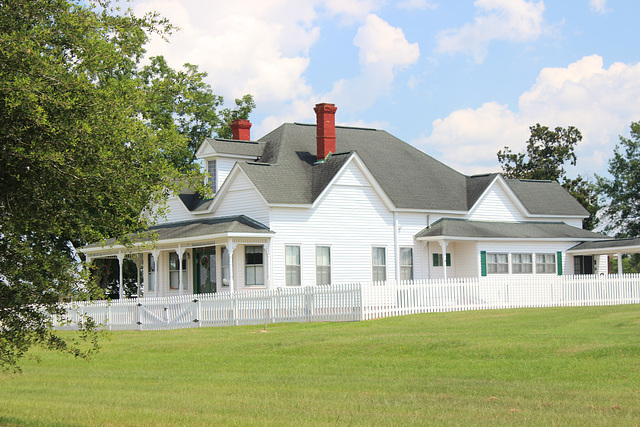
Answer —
355 301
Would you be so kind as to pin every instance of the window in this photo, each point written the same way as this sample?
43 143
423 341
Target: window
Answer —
437 260
521 263
379 261
406 263
323 265
152 272
292 265
497 263
253 266
211 168
174 271
545 263
224 267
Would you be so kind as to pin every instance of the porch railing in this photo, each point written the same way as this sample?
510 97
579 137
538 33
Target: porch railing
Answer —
355 301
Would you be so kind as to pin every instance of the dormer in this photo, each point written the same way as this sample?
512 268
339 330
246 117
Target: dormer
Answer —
219 155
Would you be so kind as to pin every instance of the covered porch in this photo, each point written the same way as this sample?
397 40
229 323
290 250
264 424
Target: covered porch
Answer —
585 253
199 256
457 248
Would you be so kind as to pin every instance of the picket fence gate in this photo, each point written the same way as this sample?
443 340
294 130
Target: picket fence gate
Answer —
354 301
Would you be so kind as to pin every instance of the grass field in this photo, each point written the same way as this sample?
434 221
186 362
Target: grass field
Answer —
552 366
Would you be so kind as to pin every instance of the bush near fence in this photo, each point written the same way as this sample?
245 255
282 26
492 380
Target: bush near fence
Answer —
355 301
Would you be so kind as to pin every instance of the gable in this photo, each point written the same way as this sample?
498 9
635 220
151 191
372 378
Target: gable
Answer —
497 204
240 197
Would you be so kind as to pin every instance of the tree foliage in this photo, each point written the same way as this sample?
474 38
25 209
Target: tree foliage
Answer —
181 99
621 192
82 153
544 158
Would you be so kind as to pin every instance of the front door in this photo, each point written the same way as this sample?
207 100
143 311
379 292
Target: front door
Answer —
204 269
583 264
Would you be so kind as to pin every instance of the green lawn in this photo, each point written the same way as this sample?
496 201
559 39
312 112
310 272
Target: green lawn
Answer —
552 366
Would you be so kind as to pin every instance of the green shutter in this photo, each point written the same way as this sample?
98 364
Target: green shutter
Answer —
483 263
448 260
559 262
435 260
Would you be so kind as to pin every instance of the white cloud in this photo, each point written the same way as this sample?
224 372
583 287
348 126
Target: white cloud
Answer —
384 50
263 48
600 102
508 20
245 46
598 6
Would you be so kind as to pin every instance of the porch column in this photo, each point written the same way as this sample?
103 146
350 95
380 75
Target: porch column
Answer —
180 252
156 276
231 247
267 259
443 245
120 263
619 256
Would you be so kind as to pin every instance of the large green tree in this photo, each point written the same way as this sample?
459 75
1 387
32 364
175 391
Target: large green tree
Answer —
81 153
544 158
181 99
621 192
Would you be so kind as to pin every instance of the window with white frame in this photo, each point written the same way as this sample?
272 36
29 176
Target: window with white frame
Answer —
497 263
253 266
211 168
406 263
379 262
152 272
224 267
545 263
521 263
174 271
292 265
323 265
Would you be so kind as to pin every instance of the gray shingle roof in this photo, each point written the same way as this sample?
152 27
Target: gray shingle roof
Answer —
454 227
545 198
605 244
288 173
408 176
195 228
232 146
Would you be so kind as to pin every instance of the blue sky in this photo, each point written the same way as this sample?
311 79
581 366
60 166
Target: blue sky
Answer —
457 79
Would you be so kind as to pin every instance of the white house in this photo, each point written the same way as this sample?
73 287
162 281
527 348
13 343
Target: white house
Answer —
318 204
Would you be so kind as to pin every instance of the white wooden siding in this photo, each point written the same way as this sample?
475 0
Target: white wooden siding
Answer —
351 218
241 198
496 205
410 223
466 260
177 211
224 166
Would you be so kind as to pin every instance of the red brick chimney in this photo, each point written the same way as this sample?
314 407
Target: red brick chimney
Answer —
326 130
241 129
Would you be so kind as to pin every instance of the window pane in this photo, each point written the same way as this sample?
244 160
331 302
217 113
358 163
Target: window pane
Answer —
292 265
211 167
379 256
173 261
406 263
152 273
292 255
